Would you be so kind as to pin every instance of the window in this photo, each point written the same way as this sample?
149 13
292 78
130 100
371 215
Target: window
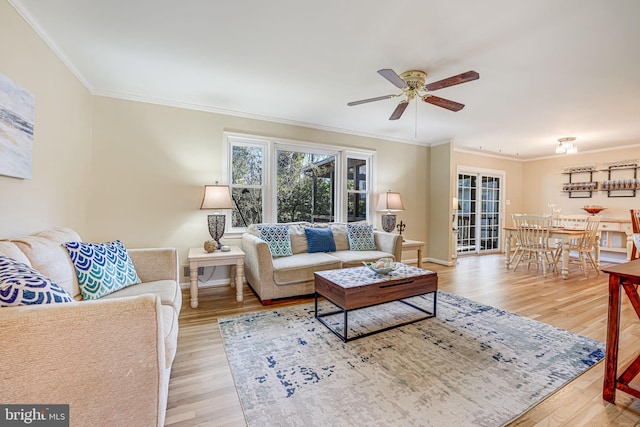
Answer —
247 182
305 186
286 181
357 189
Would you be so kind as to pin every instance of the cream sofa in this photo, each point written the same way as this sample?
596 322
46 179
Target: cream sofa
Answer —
110 358
288 276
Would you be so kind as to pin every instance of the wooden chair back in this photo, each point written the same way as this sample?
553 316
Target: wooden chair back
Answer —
574 222
588 242
533 231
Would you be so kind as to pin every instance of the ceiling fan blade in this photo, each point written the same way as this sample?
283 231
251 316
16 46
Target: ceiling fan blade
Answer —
364 101
397 113
393 77
453 80
444 103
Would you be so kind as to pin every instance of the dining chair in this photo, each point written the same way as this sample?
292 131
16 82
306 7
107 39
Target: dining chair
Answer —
516 251
581 249
532 231
635 227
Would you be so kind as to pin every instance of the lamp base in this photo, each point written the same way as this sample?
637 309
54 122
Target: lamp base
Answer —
388 222
216 226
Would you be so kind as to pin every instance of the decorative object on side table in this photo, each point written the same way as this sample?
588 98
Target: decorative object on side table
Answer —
401 228
216 197
389 202
210 245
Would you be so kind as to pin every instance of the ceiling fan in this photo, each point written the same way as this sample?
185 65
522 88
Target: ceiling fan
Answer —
413 85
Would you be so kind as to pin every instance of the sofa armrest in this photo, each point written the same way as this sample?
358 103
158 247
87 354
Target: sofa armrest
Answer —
258 263
389 242
156 264
105 358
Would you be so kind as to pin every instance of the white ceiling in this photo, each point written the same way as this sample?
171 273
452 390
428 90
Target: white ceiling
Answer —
548 68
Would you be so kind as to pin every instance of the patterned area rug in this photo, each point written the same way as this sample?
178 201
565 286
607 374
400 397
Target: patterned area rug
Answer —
472 364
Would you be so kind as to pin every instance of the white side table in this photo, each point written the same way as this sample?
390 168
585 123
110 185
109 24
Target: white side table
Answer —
414 245
198 257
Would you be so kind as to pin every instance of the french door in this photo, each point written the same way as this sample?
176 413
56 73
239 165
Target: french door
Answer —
479 211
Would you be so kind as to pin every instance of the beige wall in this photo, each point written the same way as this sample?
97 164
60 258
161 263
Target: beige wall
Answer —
151 162
543 179
439 244
59 188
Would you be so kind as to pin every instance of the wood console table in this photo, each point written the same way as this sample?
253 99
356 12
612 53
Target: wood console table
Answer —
622 276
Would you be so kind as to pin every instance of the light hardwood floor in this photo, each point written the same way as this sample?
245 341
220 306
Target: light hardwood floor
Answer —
202 392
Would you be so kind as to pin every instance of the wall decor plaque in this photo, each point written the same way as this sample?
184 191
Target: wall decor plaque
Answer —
17 112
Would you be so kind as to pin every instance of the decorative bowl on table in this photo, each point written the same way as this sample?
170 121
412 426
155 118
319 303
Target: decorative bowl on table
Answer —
593 209
382 266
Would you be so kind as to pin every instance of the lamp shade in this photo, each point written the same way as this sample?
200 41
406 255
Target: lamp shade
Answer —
389 202
216 197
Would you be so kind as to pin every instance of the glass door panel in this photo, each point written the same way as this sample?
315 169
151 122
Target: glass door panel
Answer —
479 214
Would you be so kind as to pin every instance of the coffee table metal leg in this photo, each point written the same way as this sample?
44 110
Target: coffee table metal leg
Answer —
346 327
315 305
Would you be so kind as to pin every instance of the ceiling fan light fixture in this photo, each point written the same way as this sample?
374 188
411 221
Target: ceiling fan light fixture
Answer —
413 85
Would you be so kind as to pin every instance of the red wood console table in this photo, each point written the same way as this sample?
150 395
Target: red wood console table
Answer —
622 276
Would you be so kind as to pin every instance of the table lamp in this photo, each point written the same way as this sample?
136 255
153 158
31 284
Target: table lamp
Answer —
389 202
216 197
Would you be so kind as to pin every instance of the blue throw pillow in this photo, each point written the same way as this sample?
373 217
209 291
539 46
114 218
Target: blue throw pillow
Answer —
320 239
361 237
102 268
22 285
278 239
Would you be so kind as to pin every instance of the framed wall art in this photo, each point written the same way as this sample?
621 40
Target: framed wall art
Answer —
17 112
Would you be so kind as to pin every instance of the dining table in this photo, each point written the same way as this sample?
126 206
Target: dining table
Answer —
563 236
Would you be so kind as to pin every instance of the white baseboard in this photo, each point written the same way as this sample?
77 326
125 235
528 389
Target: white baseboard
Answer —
441 261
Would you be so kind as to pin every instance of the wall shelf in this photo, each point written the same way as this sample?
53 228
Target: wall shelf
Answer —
622 180
626 186
583 189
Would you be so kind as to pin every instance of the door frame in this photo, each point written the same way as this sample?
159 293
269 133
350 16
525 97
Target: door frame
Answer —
461 169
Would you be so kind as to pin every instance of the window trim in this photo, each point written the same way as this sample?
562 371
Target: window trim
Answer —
269 196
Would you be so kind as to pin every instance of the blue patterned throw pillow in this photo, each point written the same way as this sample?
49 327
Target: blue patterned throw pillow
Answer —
361 237
22 285
102 268
278 239
320 239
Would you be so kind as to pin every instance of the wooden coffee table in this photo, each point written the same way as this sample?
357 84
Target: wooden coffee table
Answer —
355 288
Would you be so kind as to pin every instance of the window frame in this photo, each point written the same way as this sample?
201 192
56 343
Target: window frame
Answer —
269 168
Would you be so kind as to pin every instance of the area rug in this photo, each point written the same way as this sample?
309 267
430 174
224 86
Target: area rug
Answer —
472 364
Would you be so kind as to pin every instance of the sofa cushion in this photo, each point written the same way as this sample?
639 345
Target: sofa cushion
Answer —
277 237
361 237
11 250
102 268
47 255
320 240
300 268
356 258
167 290
22 285
340 235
